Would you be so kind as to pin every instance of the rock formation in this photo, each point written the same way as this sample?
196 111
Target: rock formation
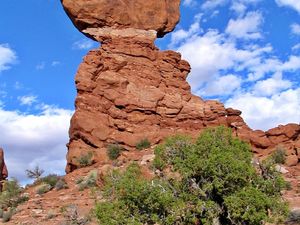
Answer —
129 90
3 169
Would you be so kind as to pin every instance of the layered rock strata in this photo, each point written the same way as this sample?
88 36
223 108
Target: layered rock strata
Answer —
129 90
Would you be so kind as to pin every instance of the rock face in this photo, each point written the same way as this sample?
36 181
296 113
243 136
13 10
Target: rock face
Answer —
3 169
157 15
128 90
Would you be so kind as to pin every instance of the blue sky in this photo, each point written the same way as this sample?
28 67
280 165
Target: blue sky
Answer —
245 53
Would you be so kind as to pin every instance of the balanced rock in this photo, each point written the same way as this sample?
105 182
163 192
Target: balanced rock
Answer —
129 90
105 16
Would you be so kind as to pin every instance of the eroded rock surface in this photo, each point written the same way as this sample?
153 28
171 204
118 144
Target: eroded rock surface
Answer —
128 90
157 15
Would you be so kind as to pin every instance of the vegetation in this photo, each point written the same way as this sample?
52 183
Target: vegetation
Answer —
43 188
35 174
89 181
143 144
279 155
217 184
10 198
49 182
85 160
12 195
114 151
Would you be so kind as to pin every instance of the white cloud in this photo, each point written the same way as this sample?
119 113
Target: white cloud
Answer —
211 4
223 85
181 34
7 57
294 4
271 86
266 112
83 44
213 52
247 27
295 27
189 2
30 140
55 63
296 47
27 100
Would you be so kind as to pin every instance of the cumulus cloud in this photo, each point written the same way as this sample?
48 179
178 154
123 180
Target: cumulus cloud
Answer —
211 4
242 71
27 99
7 57
294 4
189 2
271 86
223 85
247 27
83 44
213 52
263 113
181 34
31 140
295 27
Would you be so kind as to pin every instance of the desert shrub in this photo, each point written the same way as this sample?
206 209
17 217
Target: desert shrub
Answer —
43 188
143 144
89 181
114 151
61 184
7 215
278 156
217 184
85 159
50 179
35 173
12 195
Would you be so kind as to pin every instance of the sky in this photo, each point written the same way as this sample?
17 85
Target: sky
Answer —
245 53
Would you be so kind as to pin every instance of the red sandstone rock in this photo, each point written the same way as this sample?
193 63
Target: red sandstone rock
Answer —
3 169
128 90
161 16
292 160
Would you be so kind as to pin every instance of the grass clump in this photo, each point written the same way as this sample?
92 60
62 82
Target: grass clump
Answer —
61 184
89 181
143 144
217 185
85 160
114 151
279 155
43 188
7 215
12 195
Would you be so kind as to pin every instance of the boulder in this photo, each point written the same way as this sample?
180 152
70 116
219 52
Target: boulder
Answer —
151 15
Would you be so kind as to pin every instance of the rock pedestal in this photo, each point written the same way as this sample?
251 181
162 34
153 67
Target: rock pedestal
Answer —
128 90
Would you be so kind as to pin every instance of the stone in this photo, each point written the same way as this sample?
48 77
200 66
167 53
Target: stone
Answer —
3 169
123 16
281 169
291 160
128 89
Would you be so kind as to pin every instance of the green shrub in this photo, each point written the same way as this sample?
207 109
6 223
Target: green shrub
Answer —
143 144
50 179
278 156
89 181
114 151
61 184
217 184
7 216
85 160
12 195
